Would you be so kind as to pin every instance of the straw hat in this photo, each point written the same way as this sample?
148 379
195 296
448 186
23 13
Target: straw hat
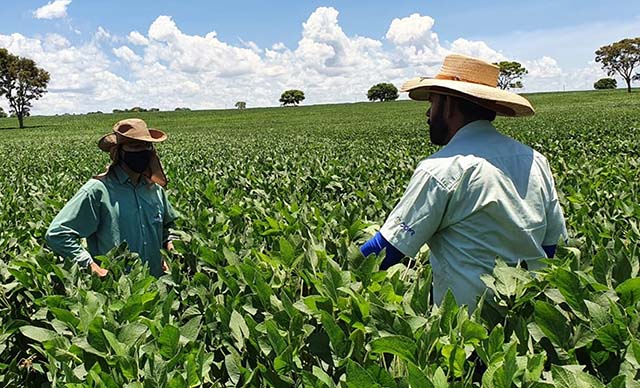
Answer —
471 79
126 131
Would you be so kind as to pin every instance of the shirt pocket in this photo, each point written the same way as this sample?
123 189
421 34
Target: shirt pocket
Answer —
154 209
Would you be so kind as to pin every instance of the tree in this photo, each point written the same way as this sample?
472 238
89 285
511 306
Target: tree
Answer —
382 92
293 97
21 81
605 83
2 114
510 72
620 58
241 105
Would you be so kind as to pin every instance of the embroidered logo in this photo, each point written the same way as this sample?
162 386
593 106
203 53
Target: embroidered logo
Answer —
405 227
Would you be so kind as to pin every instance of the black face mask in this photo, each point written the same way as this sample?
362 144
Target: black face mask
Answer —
137 161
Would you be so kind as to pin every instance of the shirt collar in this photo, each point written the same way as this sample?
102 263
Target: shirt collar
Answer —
471 130
121 175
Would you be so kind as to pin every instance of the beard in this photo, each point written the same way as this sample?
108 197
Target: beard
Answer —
438 130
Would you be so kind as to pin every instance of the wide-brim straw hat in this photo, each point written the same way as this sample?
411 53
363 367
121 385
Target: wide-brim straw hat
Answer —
130 130
471 79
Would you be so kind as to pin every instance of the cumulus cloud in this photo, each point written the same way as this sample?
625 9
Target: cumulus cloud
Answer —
165 67
326 49
193 53
545 67
55 42
126 54
52 10
477 49
415 40
137 38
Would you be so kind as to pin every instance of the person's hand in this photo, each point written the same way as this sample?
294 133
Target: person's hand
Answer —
165 266
98 270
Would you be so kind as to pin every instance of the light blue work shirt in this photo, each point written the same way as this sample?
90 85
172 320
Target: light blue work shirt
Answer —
108 211
481 196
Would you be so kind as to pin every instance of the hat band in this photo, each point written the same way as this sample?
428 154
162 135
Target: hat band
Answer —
456 78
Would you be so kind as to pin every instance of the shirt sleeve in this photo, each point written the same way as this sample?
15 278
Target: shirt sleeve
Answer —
417 217
556 228
168 222
79 218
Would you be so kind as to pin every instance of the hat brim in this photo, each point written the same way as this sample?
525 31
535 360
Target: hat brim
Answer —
502 102
110 140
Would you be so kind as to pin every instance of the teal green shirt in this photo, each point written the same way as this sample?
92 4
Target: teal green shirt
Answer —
109 211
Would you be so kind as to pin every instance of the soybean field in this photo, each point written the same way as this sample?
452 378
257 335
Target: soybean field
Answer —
267 287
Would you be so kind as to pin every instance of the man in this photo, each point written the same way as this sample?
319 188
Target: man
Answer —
482 196
126 203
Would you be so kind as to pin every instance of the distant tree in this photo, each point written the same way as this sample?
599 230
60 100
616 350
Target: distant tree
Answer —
605 83
2 114
241 105
510 75
154 110
137 109
382 92
293 97
21 81
620 58
182 109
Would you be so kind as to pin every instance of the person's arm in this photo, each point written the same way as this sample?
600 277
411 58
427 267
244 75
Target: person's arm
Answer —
418 215
376 244
79 218
168 223
556 226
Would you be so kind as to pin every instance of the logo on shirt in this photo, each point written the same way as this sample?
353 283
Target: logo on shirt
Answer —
404 226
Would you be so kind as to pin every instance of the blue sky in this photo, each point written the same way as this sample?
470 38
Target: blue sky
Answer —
171 52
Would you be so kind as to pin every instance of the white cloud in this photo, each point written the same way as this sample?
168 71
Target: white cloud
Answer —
477 49
545 67
52 10
102 35
137 38
126 54
56 41
194 54
167 68
415 41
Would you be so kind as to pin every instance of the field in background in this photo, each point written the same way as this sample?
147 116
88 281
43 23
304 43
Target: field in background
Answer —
268 289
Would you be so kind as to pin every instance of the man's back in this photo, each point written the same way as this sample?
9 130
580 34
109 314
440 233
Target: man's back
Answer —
482 196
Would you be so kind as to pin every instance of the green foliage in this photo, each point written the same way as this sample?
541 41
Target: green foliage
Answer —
292 97
621 58
21 81
382 92
510 74
241 105
267 288
605 83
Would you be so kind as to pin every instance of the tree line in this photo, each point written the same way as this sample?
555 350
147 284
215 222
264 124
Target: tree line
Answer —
22 81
